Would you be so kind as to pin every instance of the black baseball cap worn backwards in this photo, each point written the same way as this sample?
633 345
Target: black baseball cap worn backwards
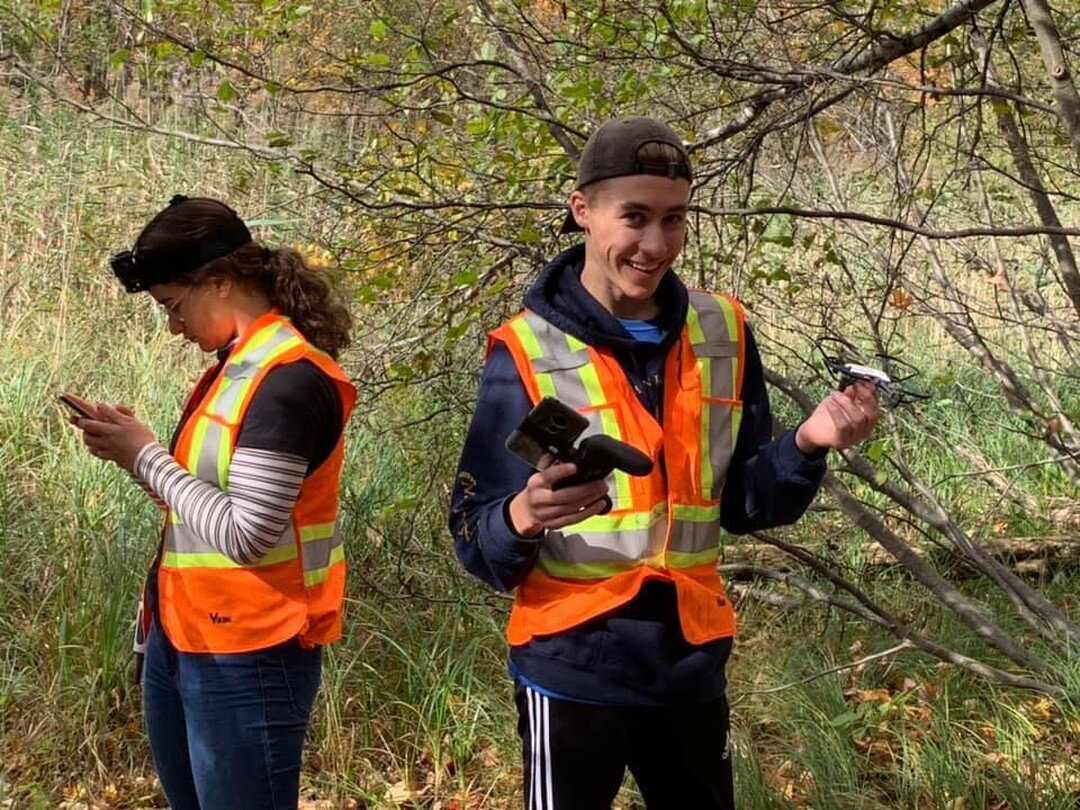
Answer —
612 151
138 272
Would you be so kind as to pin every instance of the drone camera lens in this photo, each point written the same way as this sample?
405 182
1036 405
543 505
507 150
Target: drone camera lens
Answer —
558 422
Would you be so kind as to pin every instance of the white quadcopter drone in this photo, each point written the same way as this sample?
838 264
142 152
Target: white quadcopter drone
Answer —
892 380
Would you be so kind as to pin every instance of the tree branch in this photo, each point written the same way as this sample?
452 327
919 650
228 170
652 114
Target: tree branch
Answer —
1061 83
887 222
874 56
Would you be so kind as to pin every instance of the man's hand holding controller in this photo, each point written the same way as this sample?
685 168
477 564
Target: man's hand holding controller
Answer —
569 485
541 506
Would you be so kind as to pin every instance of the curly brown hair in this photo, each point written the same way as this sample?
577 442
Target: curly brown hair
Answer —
305 295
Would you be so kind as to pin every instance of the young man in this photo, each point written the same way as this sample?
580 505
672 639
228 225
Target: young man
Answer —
620 628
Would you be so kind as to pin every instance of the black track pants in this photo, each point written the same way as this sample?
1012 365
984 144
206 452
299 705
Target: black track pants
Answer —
575 754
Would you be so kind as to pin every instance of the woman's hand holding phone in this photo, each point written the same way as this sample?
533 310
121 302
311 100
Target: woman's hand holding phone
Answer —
111 432
84 409
79 407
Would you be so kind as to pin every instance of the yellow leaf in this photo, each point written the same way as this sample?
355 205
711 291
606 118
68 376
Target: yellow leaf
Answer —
901 299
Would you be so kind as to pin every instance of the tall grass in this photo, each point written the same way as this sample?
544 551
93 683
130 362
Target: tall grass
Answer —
411 697
415 708
899 732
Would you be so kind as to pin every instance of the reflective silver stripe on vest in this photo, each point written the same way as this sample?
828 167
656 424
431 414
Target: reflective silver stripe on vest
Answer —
713 329
693 537
564 370
185 541
321 548
639 537
604 545
209 445
211 451
558 363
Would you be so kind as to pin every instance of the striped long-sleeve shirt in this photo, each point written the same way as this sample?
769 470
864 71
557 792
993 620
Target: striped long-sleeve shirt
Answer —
243 522
291 427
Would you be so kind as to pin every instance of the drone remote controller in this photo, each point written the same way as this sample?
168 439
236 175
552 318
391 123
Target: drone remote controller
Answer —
548 434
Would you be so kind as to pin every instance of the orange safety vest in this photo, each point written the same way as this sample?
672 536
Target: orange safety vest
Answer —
662 526
207 602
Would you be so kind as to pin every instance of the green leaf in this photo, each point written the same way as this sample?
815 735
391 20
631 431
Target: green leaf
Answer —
279 139
400 370
378 59
464 277
783 239
163 50
457 330
118 58
876 450
226 92
378 29
442 118
843 720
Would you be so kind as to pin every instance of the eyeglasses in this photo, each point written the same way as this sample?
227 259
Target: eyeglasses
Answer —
171 309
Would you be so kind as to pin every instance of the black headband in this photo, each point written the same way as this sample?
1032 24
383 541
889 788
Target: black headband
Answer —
138 272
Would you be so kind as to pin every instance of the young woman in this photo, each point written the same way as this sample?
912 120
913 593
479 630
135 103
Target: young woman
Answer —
248 581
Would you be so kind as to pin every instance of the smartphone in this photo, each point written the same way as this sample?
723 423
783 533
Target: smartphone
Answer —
76 407
546 434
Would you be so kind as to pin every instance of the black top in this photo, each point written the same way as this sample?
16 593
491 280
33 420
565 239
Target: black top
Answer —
295 410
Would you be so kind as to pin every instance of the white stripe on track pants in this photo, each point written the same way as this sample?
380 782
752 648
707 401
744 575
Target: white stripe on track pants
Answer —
575 754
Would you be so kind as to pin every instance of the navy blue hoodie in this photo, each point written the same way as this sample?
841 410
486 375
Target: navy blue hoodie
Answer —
636 654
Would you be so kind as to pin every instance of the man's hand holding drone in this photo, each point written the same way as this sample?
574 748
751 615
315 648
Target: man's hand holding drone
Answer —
841 420
846 417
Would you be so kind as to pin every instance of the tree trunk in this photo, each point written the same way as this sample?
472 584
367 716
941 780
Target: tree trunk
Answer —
1061 84
1029 174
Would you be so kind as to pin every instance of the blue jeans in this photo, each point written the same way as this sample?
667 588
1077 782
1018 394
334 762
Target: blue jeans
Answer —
227 731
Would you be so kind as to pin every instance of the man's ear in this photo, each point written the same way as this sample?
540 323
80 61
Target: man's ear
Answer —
579 208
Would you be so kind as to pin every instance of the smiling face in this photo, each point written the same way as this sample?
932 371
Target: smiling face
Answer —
635 227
